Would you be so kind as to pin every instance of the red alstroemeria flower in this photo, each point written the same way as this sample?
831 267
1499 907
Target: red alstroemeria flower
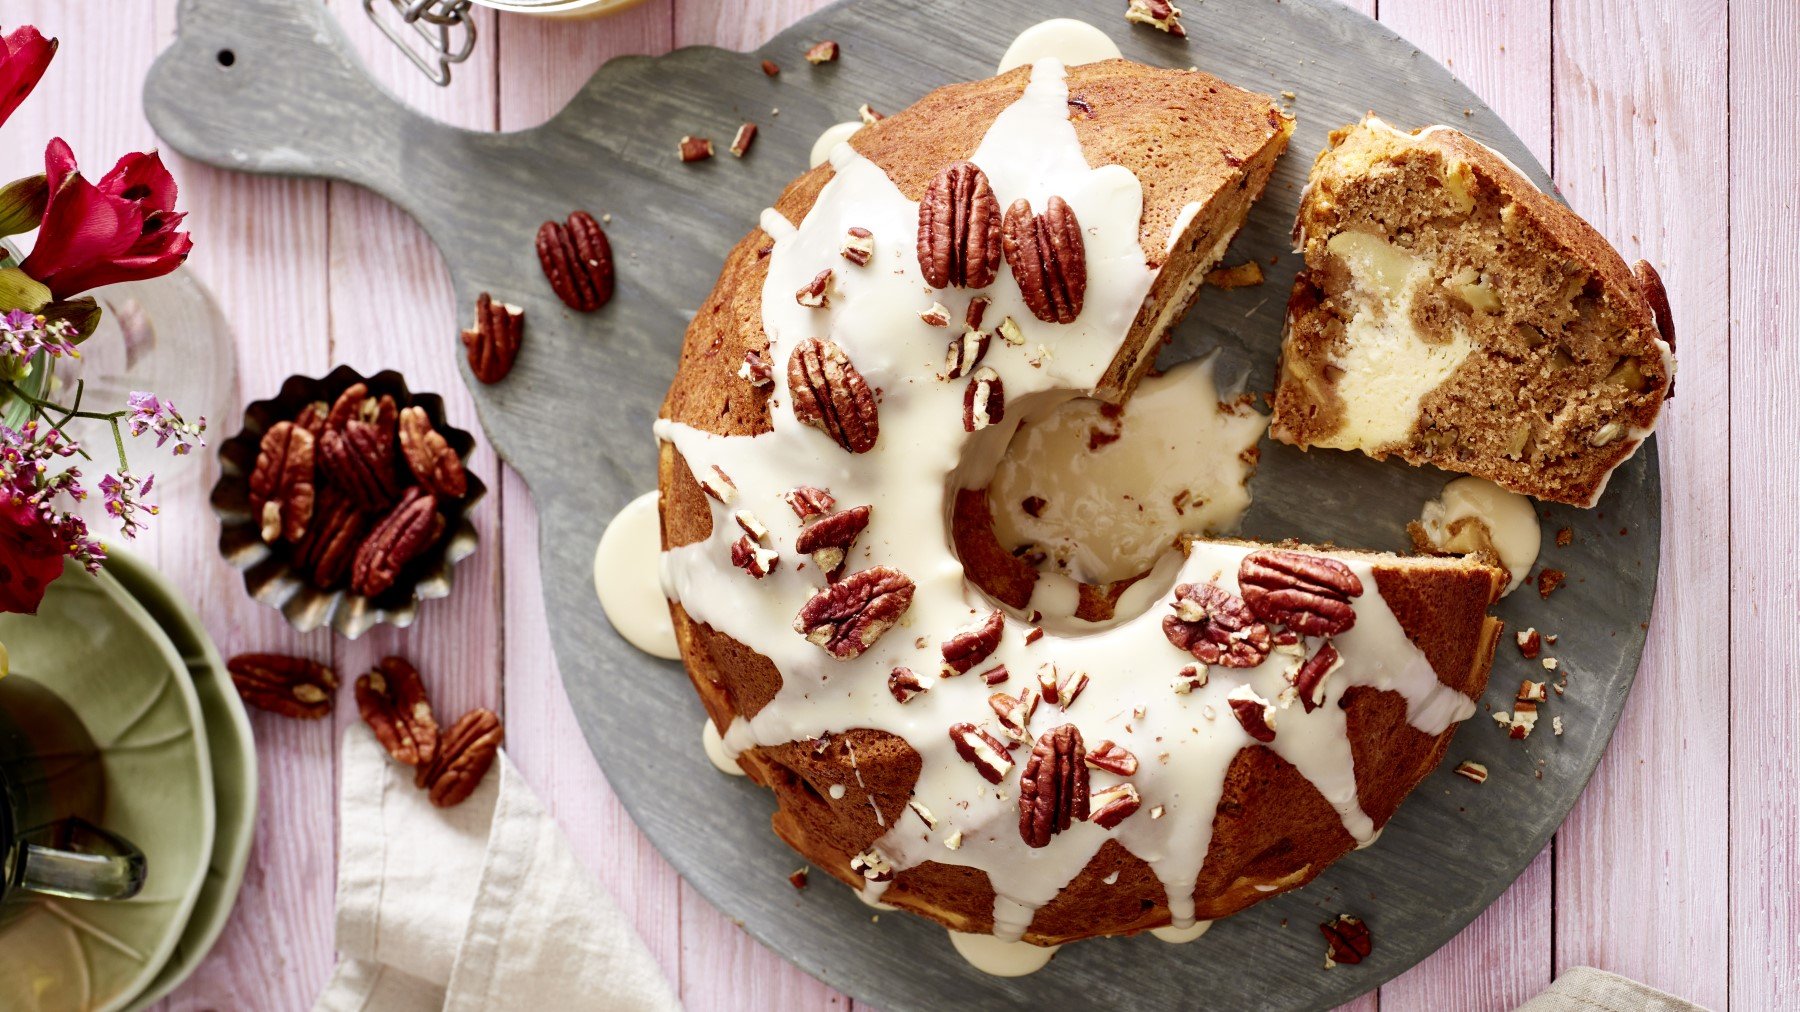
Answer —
122 229
23 56
31 557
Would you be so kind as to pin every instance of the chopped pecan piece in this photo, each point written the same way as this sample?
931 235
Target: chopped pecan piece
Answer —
959 228
1053 786
965 353
1014 713
984 402
1048 258
577 260
1530 643
753 558
330 544
1189 678
393 703
822 52
1253 712
830 395
1310 680
904 684
924 814
1469 769
816 294
981 750
808 503
1548 580
407 532
1010 333
289 686
868 114
1347 940
971 645
1216 626
995 675
493 343
846 617
430 457
829 540
282 486
872 866
1158 14
1114 805
741 141
1308 593
718 485
695 149
756 369
859 246
936 315
1113 758
462 758
1047 684
797 878
771 68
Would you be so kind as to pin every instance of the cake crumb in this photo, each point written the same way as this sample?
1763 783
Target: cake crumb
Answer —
1242 275
1565 537
1556 726
798 878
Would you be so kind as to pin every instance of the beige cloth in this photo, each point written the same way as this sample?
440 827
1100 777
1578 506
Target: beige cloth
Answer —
1585 989
481 906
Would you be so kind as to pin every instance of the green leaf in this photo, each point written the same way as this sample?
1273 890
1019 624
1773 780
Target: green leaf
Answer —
22 204
19 290
82 313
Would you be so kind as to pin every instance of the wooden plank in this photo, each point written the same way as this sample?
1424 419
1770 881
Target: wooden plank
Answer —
542 64
1765 530
1641 150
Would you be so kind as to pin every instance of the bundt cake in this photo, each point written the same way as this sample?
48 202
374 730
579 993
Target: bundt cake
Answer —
859 367
1452 314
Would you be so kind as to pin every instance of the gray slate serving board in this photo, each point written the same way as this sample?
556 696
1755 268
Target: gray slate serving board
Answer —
575 417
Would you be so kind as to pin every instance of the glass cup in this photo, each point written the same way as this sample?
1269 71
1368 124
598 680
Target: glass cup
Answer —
52 794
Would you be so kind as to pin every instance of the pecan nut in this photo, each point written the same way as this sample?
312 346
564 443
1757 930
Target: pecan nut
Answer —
809 502
829 539
1048 258
1309 681
577 259
359 461
984 400
848 616
463 756
1158 14
348 405
982 750
282 491
312 418
1014 713
330 544
959 228
1253 712
903 684
429 456
393 703
1309 594
970 646
753 558
404 534
289 686
1216 626
493 343
1053 786
1113 758
830 395
1347 940
1114 805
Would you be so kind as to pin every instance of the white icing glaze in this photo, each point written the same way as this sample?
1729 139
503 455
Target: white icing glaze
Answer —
1473 514
1176 936
1066 39
999 958
922 455
725 761
1173 468
625 573
835 134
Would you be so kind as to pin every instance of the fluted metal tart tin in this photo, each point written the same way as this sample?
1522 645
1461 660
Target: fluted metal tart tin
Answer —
269 575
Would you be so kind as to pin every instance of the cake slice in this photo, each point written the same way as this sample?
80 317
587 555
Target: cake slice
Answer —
1452 314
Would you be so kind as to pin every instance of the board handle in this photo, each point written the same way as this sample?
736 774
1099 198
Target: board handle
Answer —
271 86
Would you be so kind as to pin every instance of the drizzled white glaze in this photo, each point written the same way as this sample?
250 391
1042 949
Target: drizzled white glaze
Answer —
1474 514
724 761
1177 936
1185 743
829 139
1066 39
999 957
625 577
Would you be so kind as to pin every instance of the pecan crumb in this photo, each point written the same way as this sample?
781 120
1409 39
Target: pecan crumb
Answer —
797 879
771 68
1158 14
695 149
1548 580
823 52
1565 537
746 136
1471 770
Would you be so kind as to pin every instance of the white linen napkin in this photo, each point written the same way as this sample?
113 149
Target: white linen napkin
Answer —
1585 989
481 906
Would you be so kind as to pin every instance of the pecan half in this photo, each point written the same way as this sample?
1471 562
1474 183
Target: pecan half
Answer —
1216 626
348 405
1253 712
1048 258
577 259
281 484
359 461
970 646
904 684
984 401
338 526
393 703
404 534
1347 940
289 686
808 503
981 750
1053 786
1114 805
828 540
1309 681
1308 593
312 418
463 756
959 228
1113 758
830 395
848 616
429 456
493 343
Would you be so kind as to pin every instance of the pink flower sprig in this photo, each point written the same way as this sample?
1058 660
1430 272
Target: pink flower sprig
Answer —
152 414
23 335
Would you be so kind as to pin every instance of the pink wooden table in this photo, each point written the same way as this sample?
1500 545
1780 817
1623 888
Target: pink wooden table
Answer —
1669 123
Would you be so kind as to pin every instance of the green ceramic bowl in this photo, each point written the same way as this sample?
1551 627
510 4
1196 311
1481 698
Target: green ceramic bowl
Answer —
96 647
